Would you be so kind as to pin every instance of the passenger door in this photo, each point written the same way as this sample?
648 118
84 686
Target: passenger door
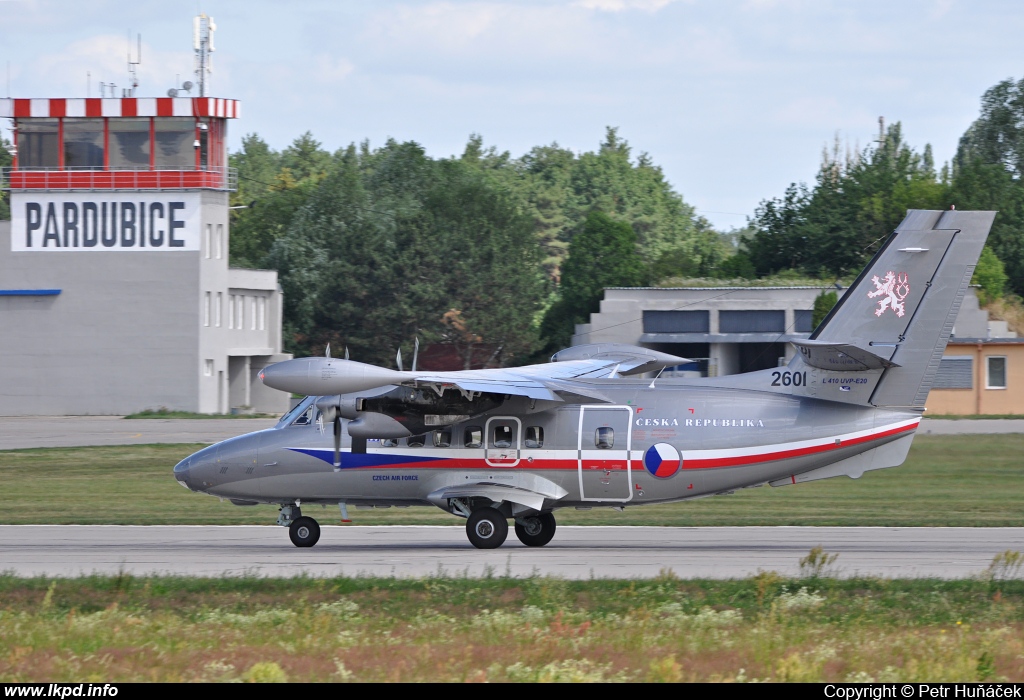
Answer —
605 434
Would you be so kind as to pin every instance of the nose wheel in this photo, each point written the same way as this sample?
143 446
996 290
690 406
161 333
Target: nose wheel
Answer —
486 528
304 532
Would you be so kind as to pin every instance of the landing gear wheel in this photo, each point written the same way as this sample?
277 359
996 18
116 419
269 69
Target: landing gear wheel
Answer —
536 530
305 532
486 528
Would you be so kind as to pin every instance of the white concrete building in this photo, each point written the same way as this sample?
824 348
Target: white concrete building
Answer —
115 290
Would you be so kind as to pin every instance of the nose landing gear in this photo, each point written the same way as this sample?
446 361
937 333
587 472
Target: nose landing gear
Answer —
303 530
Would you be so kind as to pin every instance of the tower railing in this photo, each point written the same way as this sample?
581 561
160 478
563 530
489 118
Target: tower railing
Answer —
86 178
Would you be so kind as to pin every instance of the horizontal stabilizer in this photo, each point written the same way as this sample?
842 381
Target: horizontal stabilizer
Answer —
839 357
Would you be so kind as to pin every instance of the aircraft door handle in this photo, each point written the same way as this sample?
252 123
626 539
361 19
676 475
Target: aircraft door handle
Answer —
270 464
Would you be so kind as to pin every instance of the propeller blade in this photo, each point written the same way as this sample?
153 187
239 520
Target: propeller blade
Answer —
398 359
337 441
327 352
415 352
346 352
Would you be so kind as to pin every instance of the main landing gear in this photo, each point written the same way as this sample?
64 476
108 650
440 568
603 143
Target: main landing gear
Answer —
303 530
487 528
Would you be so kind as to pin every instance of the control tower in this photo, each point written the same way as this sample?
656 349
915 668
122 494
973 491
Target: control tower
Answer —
115 290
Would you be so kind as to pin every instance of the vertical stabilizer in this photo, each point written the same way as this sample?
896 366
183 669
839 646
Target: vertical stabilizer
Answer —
903 305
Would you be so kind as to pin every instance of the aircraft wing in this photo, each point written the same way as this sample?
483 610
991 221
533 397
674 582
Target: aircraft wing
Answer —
325 376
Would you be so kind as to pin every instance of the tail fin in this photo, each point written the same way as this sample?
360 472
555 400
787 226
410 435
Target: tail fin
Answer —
901 308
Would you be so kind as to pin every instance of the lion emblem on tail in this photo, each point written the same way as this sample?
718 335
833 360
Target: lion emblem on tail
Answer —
893 289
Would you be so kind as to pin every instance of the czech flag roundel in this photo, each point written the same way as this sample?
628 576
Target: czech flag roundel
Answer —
662 460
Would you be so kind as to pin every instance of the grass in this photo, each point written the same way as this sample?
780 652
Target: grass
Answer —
960 480
118 629
165 413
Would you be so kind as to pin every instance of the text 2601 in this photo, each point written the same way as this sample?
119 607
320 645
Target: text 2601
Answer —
788 378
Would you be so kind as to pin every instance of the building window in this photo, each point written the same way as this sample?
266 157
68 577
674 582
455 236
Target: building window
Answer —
38 143
676 322
207 235
803 321
129 144
252 313
261 302
83 144
208 368
996 375
220 241
174 139
753 321
206 310
231 311
955 372
216 309
241 312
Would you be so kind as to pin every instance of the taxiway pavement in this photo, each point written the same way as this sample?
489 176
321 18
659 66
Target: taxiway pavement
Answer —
575 553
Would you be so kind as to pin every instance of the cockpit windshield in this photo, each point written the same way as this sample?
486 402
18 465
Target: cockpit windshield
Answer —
301 410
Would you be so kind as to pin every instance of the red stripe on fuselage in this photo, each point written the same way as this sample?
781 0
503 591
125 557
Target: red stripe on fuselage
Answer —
787 454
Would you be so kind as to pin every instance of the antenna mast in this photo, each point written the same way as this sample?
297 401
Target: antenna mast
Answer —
203 28
133 67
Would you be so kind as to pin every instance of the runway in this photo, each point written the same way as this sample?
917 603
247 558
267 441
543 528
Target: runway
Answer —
575 553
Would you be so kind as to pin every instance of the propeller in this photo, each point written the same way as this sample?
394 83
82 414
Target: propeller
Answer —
330 410
337 439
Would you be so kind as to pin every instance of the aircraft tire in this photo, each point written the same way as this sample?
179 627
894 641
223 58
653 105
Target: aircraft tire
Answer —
539 533
486 528
304 532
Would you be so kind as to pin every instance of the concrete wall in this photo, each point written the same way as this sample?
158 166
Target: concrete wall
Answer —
120 337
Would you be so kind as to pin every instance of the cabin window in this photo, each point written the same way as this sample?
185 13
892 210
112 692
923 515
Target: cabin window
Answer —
388 442
473 437
129 144
604 438
417 441
534 436
502 436
443 438
38 143
83 143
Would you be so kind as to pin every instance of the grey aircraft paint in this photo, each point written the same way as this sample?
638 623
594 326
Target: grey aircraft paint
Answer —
519 443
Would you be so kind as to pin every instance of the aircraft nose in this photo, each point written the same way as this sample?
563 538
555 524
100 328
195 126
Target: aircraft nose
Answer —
181 470
194 469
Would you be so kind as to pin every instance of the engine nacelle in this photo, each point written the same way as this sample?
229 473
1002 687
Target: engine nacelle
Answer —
377 425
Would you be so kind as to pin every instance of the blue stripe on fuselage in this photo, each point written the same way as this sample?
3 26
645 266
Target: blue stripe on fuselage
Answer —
356 460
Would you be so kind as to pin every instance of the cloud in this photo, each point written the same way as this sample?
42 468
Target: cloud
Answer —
623 5
104 57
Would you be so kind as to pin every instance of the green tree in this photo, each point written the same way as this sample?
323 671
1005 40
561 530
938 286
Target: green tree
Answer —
603 254
990 275
393 245
5 162
823 303
987 173
856 202
273 187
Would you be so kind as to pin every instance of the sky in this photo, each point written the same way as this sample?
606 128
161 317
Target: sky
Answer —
734 99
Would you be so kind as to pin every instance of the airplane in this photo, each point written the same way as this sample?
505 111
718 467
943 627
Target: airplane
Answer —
593 428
